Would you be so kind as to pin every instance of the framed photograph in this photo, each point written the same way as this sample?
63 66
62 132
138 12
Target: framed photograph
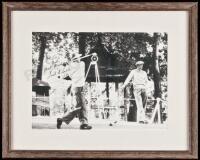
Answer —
100 80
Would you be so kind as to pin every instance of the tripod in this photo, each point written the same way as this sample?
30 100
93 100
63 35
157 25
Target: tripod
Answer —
93 62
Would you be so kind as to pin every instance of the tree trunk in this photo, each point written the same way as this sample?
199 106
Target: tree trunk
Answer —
82 43
107 92
156 68
41 57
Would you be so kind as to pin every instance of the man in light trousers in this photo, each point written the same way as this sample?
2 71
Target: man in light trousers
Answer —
139 80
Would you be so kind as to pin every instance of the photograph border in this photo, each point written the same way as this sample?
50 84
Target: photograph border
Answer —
190 7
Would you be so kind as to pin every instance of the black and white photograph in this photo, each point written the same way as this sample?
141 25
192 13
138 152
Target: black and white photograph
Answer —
99 80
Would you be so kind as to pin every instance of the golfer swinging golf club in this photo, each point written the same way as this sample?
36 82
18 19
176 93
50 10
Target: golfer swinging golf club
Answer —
139 80
77 75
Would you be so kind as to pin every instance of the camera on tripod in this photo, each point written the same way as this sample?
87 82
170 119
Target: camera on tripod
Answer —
94 57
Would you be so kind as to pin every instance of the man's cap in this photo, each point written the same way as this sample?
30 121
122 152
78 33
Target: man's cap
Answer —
139 63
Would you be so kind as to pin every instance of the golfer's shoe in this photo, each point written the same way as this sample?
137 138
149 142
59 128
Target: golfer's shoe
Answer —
85 127
59 123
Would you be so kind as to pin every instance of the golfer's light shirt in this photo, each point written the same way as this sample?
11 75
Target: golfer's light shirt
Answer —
138 78
77 74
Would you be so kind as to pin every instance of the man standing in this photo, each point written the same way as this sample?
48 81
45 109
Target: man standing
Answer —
139 80
77 75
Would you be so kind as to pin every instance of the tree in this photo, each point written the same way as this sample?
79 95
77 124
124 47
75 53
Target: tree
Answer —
82 43
156 69
50 50
43 42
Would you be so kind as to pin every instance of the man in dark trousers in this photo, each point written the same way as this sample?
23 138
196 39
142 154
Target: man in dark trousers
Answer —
77 75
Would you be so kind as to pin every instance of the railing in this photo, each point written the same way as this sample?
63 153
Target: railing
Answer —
156 111
42 101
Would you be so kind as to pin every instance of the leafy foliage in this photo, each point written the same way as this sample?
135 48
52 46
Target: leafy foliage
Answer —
128 47
59 48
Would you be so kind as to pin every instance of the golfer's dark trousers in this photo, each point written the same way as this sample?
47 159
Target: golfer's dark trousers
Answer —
81 112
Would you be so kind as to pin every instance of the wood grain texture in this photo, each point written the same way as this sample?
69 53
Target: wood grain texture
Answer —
5 81
99 6
193 80
8 7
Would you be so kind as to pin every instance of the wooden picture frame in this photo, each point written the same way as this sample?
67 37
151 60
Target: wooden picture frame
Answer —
190 7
